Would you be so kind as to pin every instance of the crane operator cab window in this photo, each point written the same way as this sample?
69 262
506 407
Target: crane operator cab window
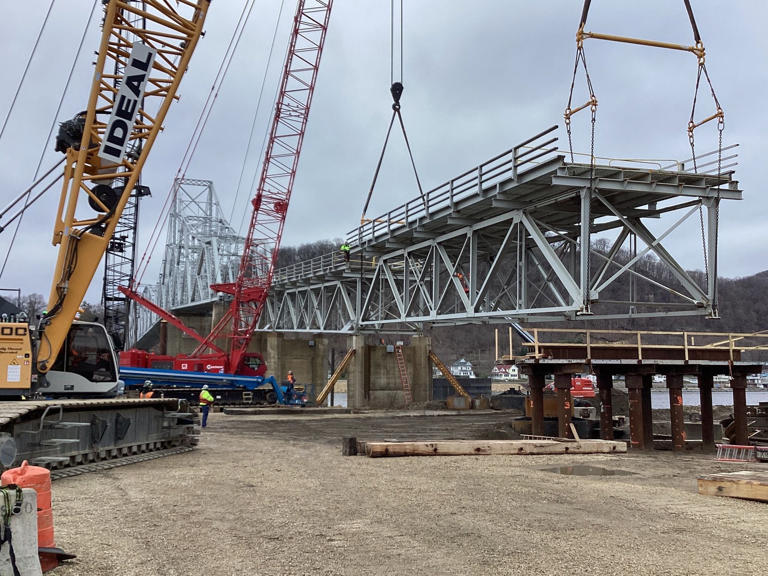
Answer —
87 352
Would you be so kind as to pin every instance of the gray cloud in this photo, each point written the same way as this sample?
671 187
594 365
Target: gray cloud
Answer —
479 77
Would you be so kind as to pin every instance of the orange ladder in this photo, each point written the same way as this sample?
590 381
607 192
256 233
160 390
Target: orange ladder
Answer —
403 375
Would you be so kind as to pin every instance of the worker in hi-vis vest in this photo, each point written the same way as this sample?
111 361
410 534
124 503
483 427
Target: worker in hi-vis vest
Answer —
146 390
206 401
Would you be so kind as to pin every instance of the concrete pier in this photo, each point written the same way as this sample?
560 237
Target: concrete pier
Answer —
373 380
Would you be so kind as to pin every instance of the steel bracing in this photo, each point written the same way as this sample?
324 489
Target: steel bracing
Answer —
506 240
201 249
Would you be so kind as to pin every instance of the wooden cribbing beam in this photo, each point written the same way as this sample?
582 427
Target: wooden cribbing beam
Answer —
745 484
336 375
491 447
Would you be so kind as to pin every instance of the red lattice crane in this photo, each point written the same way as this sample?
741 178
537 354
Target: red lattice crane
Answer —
273 194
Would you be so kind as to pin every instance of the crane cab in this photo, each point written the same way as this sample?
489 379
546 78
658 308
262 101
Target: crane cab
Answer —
86 365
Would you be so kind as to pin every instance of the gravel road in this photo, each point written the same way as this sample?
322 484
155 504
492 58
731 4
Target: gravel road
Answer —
272 495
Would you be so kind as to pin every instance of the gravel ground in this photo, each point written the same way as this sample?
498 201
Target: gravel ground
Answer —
273 495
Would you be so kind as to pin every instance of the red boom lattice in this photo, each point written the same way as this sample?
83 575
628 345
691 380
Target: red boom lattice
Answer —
270 203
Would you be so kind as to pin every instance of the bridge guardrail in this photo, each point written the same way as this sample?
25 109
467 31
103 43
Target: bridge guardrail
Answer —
504 166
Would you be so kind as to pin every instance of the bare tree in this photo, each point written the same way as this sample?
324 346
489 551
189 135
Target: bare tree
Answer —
33 305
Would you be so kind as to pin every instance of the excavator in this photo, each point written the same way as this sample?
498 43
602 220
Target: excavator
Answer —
144 52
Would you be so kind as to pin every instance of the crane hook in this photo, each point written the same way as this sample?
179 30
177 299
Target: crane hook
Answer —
397 91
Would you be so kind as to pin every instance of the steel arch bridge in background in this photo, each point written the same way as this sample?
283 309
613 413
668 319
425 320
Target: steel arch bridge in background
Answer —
201 249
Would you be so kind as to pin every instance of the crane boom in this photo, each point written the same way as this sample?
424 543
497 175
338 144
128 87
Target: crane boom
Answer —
103 165
273 194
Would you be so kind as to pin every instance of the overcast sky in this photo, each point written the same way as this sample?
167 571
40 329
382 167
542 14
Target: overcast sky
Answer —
479 75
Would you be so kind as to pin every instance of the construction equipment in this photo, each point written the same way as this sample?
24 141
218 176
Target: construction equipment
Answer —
229 340
103 162
105 148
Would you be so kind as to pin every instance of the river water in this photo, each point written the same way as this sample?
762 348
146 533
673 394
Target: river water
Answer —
660 398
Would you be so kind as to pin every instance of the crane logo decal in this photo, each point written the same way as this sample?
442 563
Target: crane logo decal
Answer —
127 102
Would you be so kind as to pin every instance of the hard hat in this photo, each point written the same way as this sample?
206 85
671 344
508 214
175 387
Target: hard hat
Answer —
205 386
290 371
148 383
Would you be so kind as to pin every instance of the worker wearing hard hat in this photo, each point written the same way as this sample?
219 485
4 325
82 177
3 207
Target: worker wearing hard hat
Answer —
206 401
146 390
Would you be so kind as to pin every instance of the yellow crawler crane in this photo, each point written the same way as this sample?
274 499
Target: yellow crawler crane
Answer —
145 50
106 147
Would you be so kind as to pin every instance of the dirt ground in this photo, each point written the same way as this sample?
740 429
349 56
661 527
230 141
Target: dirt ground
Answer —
272 495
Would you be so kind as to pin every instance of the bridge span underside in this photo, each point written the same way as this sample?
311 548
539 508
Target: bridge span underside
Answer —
505 241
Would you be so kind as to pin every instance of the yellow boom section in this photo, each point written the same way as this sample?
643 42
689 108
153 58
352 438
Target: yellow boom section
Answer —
124 115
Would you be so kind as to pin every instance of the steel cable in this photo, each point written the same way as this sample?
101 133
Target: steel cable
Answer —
64 92
193 142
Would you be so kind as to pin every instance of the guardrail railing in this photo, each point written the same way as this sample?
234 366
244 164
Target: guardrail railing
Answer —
639 343
504 166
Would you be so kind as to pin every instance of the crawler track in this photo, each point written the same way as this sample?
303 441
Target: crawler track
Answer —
83 435
117 462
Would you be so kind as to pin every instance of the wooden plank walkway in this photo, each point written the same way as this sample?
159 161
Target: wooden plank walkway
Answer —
743 484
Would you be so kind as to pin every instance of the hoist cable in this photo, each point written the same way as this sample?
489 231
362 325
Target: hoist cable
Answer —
410 155
27 201
256 115
584 12
378 167
193 142
392 42
26 68
688 8
264 142
396 90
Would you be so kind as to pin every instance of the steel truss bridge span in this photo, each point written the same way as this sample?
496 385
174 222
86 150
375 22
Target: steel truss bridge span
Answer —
505 241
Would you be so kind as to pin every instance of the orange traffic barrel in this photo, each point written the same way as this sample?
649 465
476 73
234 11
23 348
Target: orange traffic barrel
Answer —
39 479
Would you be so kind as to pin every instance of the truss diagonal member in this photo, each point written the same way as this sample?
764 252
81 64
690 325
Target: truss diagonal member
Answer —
316 310
328 308
546 274
653 243
291 310
420 284
347 302
497 260
269 314
452 268
395 290
598 277
554 262
371 289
